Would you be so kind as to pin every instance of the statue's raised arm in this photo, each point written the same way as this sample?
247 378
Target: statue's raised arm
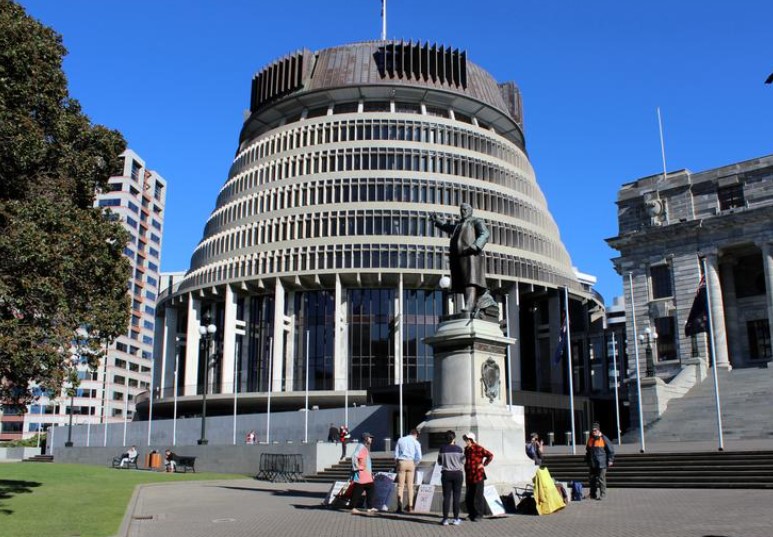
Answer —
469 236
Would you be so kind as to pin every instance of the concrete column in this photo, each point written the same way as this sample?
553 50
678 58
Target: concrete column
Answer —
340 358
192 340
229 342
397 336
735 332
717 311
278 342
169 352
514 331
767 263
291 354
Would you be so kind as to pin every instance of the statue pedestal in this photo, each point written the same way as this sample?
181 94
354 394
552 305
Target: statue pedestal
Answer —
469 395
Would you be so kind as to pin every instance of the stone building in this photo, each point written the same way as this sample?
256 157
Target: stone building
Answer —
668 228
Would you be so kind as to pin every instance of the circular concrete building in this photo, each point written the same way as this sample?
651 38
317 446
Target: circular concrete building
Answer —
320 255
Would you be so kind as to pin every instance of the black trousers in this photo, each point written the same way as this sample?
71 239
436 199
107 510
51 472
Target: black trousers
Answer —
357 491
452 490
474 500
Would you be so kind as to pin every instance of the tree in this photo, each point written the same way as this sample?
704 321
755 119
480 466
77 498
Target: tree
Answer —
61 260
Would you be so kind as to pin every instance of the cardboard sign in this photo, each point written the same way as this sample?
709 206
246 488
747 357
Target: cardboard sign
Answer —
493 500
419 477
437 471
334 490
384 489
423 501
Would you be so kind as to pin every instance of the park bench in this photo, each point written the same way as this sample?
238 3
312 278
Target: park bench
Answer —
131 463
184 463
279 467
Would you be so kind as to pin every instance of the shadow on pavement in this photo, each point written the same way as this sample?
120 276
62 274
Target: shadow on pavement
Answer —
11 487
287 492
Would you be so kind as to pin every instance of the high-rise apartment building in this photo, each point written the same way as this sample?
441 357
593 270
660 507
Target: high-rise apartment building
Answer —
137 197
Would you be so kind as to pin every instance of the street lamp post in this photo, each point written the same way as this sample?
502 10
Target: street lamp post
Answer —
69 428
647 338
207 332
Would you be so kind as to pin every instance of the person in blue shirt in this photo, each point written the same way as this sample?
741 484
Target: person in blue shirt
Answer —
407 456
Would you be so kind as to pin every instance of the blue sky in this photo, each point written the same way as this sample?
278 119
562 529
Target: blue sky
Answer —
174 77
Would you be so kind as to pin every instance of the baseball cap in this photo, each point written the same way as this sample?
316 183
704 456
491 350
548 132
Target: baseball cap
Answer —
469 436
366 435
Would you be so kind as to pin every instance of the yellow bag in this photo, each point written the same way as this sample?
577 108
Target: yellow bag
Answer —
546 494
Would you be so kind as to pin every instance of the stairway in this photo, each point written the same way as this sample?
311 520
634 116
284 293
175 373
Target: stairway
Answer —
718 470
39 458
746 397
343 469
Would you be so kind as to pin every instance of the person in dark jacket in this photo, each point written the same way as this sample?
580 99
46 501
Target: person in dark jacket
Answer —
599 455
451 460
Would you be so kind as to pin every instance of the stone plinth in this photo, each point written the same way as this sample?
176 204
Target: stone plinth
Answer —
470 395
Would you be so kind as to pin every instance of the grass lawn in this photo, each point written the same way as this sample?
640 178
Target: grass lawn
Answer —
67 500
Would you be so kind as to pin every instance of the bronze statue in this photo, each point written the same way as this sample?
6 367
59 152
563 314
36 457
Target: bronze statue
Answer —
469 236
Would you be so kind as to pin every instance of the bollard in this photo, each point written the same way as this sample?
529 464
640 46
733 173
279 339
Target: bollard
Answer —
387 444
586 435
568 435
551 438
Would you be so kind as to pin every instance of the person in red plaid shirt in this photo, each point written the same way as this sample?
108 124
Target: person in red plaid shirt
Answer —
476 458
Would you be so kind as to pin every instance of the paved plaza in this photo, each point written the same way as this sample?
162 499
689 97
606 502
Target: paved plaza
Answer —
255 508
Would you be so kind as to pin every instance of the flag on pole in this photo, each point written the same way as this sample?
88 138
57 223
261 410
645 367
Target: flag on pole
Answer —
559 352
698 319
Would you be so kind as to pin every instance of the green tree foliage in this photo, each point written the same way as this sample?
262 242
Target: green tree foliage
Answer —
61 260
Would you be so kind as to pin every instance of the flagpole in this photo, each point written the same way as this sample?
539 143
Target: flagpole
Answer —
617 396
569 367
270 384
383 20
399 345
713 358
507 349
174 411
662 144
236 393
306 424
638 373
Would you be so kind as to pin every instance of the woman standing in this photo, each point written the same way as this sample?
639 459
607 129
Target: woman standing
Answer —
451 460
362 474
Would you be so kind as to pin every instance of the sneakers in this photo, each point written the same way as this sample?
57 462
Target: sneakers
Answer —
445 522
457 521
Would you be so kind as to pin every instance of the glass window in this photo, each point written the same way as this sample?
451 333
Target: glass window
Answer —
660 280
665 327
730 197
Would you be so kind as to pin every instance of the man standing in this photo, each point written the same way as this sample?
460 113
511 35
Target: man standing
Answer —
476 458
599 455
468 266
407 456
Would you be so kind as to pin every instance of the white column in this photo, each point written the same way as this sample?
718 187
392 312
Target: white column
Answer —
397 335
514 331
717 310
169 351
340 366
278 343
192 338
229 342
767 263
291 354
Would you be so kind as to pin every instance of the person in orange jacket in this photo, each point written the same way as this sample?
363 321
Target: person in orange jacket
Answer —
599 455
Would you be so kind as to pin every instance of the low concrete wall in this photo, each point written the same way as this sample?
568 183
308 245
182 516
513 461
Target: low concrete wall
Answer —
18 453
221 454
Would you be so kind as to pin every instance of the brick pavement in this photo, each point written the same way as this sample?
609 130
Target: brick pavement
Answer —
242 508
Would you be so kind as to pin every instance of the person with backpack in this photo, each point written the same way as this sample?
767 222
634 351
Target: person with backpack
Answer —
599 455
534 449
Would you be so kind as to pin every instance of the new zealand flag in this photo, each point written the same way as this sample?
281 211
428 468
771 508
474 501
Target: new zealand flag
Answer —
698 320
559 352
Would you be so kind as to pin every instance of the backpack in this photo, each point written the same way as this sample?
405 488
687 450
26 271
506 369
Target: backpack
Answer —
576 490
